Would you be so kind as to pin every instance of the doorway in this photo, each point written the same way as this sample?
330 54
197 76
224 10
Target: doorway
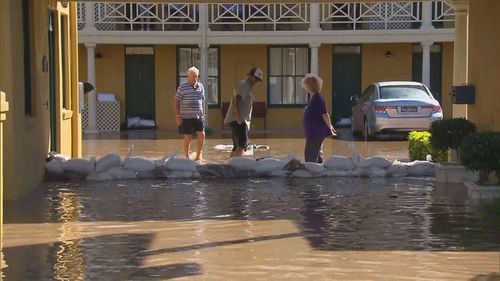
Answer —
140 86
52 84
346 79
436 68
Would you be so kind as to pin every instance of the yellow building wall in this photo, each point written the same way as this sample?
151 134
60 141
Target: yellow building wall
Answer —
376 67
447 79
165 77
325 72
484 63
26 137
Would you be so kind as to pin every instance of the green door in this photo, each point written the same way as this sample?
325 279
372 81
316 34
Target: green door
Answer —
436 68
140 86
52 85
346 79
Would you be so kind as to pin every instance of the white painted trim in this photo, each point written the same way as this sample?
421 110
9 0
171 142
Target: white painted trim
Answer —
266 38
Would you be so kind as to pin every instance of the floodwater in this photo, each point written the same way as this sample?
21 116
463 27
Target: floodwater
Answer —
156 144
249 229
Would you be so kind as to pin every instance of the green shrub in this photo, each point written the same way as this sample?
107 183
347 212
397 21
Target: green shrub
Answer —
481 152
449 133
420 147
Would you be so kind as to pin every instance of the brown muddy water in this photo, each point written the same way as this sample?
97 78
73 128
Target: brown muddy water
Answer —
251 229
156 144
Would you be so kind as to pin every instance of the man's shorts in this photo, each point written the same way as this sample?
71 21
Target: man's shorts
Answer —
189 126
240 135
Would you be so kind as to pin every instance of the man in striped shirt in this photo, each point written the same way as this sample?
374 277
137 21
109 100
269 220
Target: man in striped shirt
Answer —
189 108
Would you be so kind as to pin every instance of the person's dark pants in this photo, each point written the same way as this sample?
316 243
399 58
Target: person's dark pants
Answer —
240 135
313 151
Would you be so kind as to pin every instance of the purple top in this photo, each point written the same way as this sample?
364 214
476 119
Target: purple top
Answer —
314 125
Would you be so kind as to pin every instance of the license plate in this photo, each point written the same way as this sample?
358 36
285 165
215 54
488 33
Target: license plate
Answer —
408 109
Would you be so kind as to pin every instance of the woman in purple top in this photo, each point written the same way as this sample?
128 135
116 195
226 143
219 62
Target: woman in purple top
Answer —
316 122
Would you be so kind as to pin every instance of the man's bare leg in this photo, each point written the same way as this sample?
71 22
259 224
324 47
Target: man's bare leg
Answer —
237 153
201 139
187 140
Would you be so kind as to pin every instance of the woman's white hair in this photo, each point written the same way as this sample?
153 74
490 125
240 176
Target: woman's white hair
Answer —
312 83
194 70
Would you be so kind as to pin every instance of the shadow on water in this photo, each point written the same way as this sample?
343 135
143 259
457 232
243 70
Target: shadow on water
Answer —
118 257
486 277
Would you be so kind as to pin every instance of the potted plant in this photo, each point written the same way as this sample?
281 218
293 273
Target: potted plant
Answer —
481 152
448 134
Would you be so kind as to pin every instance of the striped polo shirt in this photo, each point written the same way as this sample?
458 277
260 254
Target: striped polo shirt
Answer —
191 100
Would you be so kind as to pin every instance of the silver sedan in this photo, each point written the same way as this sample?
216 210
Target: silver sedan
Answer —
394 107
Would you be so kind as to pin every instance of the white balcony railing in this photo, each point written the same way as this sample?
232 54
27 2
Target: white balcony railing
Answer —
403 15
258 17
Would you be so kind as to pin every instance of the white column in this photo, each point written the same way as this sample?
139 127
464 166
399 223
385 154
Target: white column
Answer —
89 17
427 15
91 96
314 58
314 16
203 45
426 63
460 51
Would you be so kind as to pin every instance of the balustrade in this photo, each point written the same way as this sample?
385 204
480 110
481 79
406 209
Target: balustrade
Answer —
400 15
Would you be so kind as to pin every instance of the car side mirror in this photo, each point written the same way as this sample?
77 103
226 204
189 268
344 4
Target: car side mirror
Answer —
354 99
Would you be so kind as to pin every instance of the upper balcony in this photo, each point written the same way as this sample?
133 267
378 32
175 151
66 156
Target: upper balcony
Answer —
353 22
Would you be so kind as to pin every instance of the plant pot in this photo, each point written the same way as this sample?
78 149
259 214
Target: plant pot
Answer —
450 173
482 193
453 155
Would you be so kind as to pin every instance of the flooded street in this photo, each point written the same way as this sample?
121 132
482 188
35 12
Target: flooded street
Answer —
250 229
156 144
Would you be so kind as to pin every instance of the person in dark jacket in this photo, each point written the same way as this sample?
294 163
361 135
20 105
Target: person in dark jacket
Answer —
316 121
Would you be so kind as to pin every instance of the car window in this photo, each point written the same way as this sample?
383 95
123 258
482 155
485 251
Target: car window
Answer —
404 92
367 94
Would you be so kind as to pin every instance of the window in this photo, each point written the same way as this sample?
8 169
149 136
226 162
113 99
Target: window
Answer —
28 106
404 92
190 56
367 94
287 67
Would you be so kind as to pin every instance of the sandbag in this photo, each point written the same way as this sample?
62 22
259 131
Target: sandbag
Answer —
181 165
111 160
301 174
113 173
376 162
79 166
421 169
337 173
314 168
242 163
139 164
54 167
268 165
339 163
398 169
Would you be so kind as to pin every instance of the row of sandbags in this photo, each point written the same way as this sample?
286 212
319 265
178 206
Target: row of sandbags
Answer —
112 166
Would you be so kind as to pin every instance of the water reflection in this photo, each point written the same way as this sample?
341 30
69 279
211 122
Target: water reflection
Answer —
246 229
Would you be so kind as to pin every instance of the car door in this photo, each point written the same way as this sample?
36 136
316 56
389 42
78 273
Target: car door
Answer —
358 110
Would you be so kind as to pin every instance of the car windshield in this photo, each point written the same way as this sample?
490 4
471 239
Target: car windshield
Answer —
404 92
